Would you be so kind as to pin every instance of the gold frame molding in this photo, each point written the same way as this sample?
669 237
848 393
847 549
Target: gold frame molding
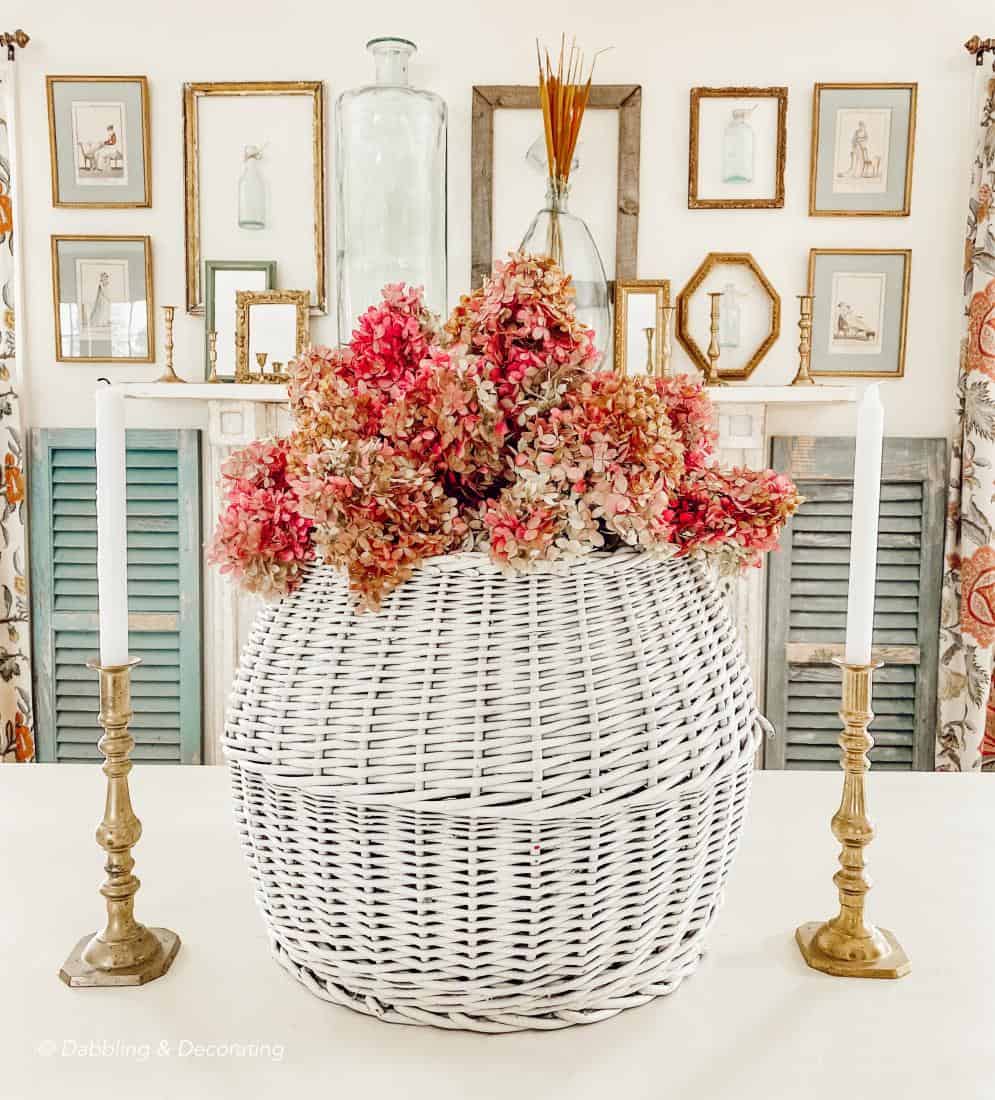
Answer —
903 333
814 212
487 98
192 94
244 300
150 322
143 83
781 153
707 265
623 288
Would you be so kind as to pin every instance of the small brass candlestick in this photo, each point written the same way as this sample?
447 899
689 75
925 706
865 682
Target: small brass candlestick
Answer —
169 375
803 377
125 952
712 377
649 333
212 357
261 357
666 325
847 946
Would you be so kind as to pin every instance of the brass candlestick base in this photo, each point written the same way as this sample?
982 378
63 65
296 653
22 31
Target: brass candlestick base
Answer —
666 325
847 946
125 952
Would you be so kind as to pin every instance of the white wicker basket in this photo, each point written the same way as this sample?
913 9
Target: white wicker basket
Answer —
502 802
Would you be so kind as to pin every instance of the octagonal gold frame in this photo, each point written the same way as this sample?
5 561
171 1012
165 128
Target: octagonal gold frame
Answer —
710 262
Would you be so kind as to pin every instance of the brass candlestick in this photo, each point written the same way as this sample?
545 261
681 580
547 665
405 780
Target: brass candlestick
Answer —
712 377
847 946
169 375
125 952
803 377
649 332
666 325
261 357
212 357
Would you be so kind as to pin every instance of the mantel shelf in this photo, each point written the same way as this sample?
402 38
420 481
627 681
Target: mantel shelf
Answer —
277 394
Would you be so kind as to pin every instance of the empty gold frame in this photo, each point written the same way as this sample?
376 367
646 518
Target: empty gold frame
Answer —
712 261
659 290
291 342
192 95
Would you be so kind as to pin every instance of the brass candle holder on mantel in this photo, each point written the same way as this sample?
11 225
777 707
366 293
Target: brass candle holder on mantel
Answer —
649 332
665 323
125 952
712 374
169 375
212 357
804 377
847 946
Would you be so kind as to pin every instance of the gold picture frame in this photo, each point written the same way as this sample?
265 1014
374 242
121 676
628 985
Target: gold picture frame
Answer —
687 340
819 316
244 301
57 290
58 200
624 288
192 94
776 201
901 211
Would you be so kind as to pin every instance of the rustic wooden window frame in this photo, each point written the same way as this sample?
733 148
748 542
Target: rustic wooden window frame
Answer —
488 98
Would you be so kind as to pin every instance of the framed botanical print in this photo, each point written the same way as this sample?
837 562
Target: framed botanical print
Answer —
223 279
102 294
639 320
98 136
860 312
737 148
863 141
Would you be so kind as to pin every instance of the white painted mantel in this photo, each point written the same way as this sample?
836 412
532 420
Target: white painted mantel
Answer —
236 415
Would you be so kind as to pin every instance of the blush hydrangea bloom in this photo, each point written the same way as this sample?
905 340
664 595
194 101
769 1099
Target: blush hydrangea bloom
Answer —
496 433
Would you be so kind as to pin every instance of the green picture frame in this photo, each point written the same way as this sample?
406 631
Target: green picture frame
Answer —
223 320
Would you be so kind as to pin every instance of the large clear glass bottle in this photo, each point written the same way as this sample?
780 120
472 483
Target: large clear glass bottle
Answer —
251 190
390 167
566 238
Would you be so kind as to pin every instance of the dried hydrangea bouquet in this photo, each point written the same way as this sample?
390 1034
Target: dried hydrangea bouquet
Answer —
495 778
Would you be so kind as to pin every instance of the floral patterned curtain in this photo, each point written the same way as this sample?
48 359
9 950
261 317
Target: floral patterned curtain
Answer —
966 727
16 712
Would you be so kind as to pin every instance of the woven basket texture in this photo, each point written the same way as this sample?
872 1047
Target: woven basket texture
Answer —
500 802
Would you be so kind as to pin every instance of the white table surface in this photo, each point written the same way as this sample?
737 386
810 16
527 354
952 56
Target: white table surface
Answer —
752 1023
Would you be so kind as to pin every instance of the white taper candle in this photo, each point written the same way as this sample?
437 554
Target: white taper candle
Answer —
864 527
112 527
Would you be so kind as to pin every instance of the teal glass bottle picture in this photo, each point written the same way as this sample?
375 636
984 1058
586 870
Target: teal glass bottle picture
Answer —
737 147
251 190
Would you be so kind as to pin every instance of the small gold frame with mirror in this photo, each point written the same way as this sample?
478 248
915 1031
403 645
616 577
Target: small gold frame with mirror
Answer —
246 301
648 352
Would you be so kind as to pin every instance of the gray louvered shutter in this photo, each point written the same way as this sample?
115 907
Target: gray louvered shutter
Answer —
806 605
163 478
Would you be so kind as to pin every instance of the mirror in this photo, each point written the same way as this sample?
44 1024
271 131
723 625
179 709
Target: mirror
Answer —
639 307
274 322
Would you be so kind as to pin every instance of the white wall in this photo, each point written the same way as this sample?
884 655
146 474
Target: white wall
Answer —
666 47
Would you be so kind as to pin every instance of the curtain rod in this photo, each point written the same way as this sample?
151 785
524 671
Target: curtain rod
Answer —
979 46
10 39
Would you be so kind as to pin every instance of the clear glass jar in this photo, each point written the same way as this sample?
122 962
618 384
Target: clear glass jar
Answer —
251 190
390 195
566 238
729 317
737 148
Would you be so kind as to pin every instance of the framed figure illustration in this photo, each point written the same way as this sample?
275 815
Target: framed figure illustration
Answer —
737 148
860 311
98 133
863 140
102 298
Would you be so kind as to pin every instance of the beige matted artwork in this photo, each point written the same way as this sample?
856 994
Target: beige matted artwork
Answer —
276 130
639 321
271 327
737 148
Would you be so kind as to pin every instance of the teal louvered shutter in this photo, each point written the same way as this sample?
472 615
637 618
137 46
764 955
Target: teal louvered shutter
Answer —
806 604
164 603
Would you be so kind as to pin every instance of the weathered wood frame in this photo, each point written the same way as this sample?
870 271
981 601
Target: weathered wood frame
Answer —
830 459
488 98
